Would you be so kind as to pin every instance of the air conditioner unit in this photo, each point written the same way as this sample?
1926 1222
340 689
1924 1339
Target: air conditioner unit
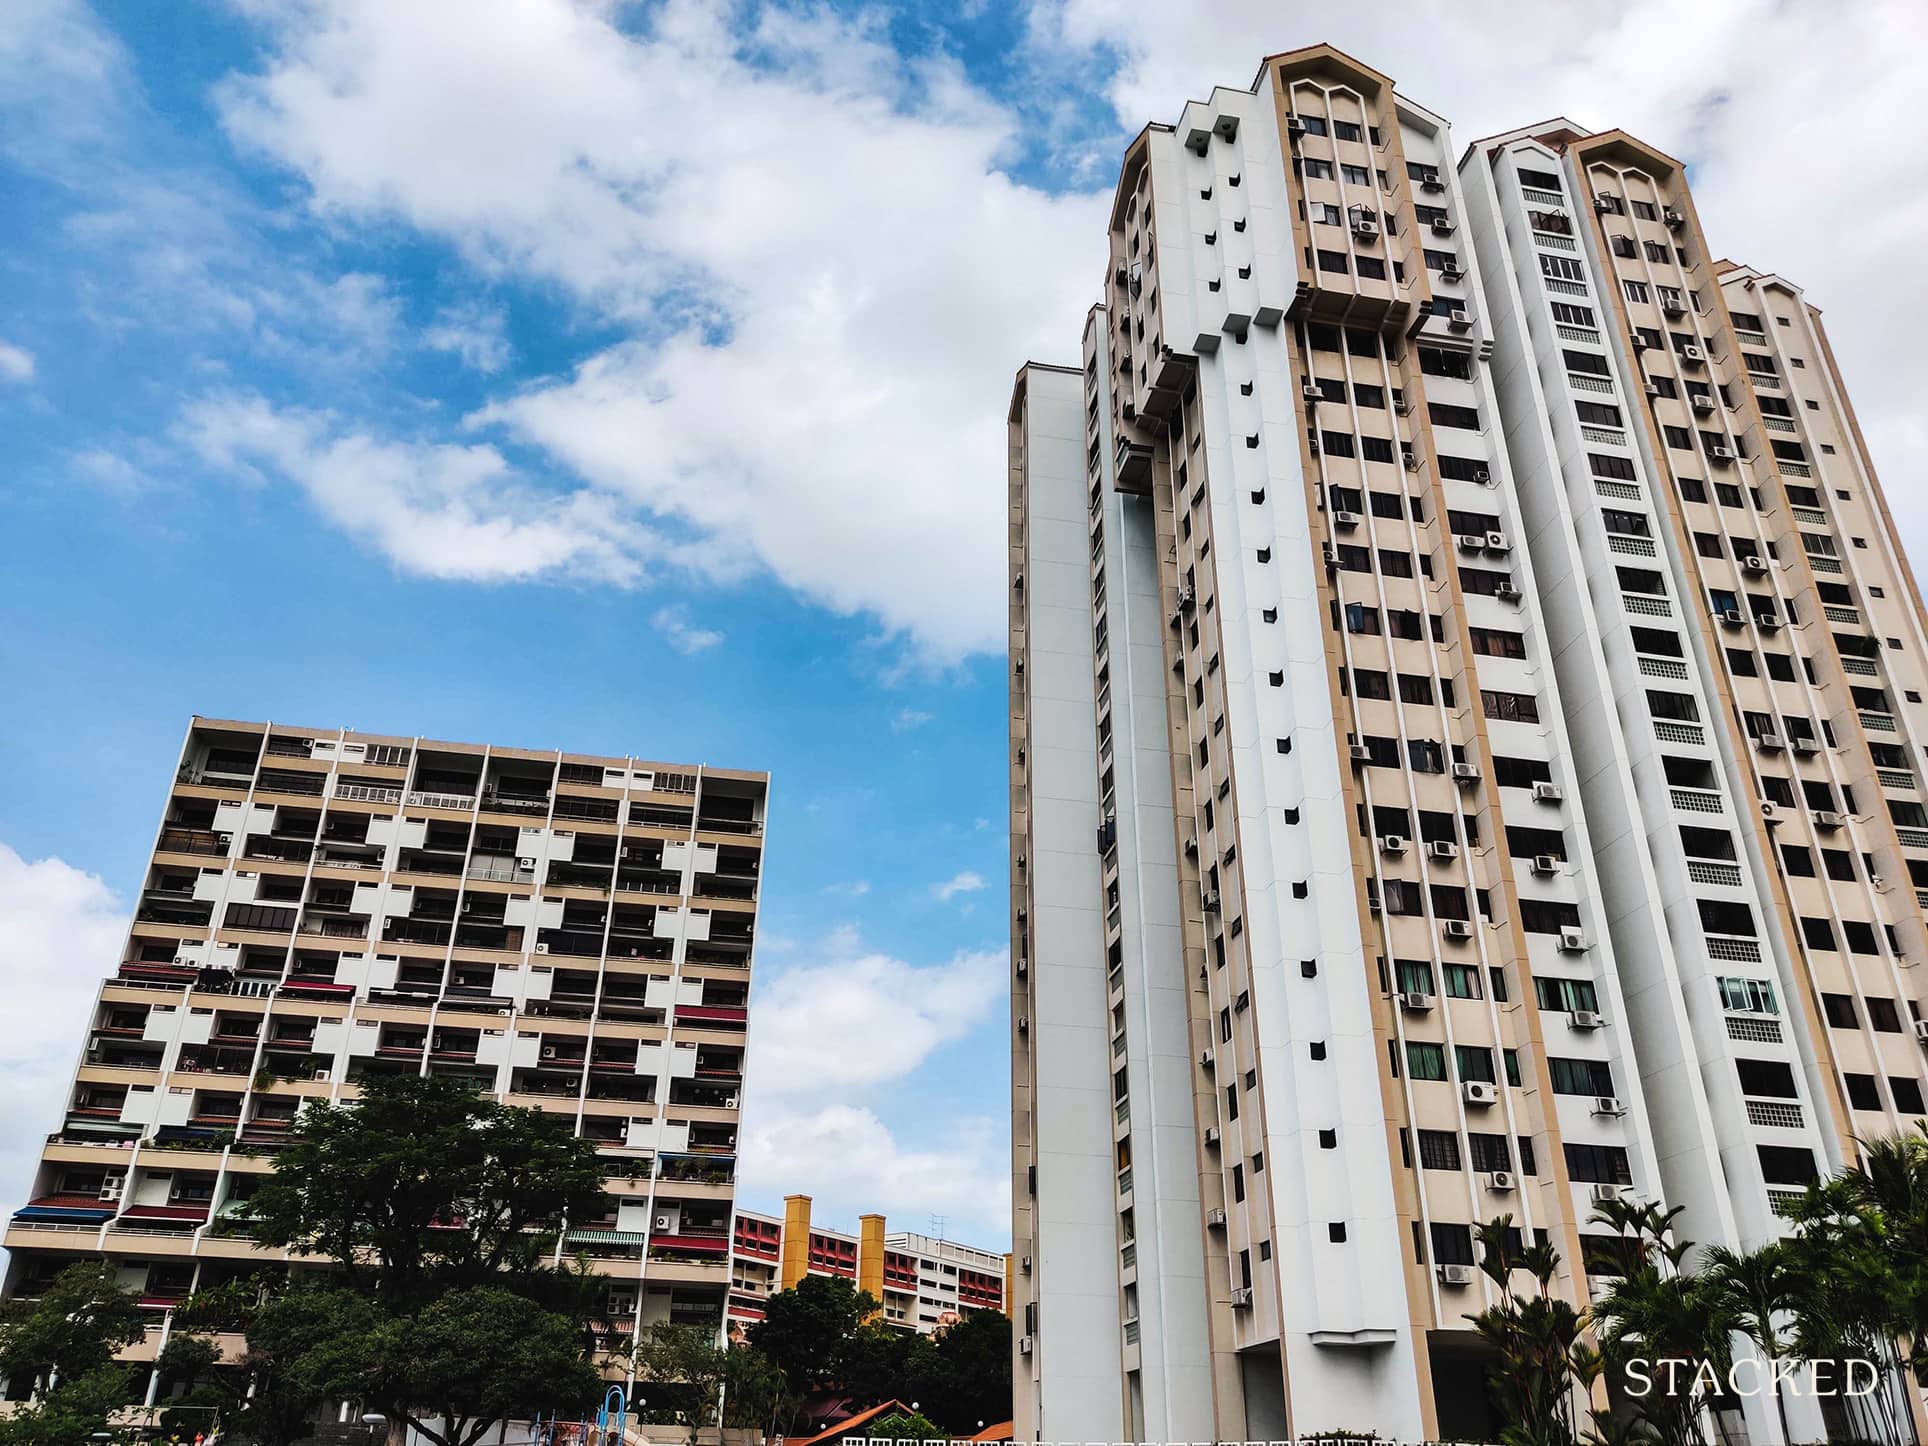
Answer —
1608 1105
1208 901
1674 217
1312 393
1429 181
525 863
1674 306
1024 1345
1442 849
1766 622
1241 1297
1604 201
1496 541
1692 354
1024 1024
1753 564
1506 592
1456 929
1360 753
1455 1274
1409 459
1211 1136
1451 274
542 948
1187 596
1804 746
1215 1216
1459 318
1482 475
1921 1030
548 1051
1651 389
1721 452
1442 226
1768 741
1345 521
1878 883
468 906
1500 1182
1548 793
1392 843
1573 941
1027 1265
1403 407
1330 554
1465 772
111 1187
1479 1092
1770 810
1470 541
1545 864
1605 1194
1585 1019
1294 126
1703 402
730 1102
665 1222
1417 1000
1365 230
1733 617
1827 818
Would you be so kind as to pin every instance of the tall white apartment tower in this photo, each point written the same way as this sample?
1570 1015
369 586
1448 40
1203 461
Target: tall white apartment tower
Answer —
1313 969
1735 625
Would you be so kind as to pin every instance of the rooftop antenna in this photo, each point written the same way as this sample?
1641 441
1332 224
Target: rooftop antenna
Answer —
938 1222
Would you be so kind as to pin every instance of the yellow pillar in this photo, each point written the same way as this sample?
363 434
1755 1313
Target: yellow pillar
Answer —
794 1256
1007 1283
870 1256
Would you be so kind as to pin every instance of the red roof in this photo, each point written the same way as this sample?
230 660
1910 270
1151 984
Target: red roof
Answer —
999 1432
851 1423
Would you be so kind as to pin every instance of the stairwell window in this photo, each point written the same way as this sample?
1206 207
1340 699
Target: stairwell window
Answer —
1509 707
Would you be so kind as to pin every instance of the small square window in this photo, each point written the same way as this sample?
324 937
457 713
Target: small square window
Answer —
1328 1139
1300 889
1285 745
1336 1232
1316 1049
1309 969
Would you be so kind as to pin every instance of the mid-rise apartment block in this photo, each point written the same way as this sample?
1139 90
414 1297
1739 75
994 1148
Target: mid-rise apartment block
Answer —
564 931
1462 761
924 1282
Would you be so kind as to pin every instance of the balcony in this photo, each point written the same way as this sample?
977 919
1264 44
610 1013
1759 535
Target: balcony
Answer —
160 906
515 802
192 841
580 876
276 780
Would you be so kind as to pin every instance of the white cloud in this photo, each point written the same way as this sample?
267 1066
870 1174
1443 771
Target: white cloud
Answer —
61 931
850 1162
109 471
851 889
1747 92
863 1018
827 1033
473 334
16 363
681 634
967 882
446 510
829 293
906 720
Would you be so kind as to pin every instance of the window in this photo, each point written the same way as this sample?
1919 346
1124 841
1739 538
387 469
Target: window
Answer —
1445 414
1425 1061
1636 290
1766 1079
1562 268
1474 1062
1598 1164
1580 1076
1495 643
1584 361
1563 996
1510 707
1438 1150
1569 314
1462 981
1747 996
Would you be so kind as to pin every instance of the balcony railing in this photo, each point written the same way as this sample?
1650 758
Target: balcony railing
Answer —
193 841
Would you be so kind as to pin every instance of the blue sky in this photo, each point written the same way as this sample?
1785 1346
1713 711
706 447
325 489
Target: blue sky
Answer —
630 378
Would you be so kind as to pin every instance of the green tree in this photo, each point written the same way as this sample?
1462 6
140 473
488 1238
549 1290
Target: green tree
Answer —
72 1329
456 1367
1756 1294
968 1379
1538 1338
755 1393
687 1371
423 1183
1665 1314
72 1412
906 1426
804 1329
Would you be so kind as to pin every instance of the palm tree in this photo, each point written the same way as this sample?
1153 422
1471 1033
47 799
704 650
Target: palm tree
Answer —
1754 1292
1537 1336
1663 1313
